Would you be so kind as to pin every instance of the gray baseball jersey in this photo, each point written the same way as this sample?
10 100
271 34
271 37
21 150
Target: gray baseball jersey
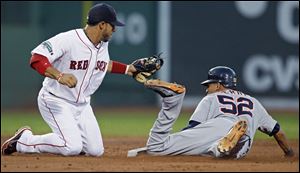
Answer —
216 114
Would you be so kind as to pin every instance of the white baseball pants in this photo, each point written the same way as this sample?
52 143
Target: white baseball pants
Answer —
74 129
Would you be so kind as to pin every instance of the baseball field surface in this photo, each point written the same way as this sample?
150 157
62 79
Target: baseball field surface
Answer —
123 132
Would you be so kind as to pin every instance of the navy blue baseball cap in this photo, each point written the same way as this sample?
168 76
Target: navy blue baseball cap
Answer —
103 12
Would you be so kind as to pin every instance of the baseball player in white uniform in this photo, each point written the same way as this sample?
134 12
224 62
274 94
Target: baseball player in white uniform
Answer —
223 124
74 64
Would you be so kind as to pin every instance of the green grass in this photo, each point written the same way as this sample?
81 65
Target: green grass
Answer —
128 123
111 123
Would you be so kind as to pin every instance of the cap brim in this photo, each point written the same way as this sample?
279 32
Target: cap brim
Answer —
205 83
117 23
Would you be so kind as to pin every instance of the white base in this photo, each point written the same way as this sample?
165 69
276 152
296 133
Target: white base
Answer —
134 152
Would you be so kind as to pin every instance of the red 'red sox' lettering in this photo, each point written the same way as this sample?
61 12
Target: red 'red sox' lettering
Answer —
83 65
101 65
79 65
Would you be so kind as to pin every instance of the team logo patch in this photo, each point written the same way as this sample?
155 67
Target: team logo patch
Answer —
48 46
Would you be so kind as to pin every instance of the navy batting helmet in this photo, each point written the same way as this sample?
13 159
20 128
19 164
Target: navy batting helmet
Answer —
223 75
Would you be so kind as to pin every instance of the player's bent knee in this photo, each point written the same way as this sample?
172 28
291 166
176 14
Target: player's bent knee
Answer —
72 150
97 152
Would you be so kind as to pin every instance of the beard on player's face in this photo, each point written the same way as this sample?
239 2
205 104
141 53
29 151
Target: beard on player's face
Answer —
106 37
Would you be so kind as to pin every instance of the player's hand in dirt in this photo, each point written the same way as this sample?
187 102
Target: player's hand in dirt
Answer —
289 153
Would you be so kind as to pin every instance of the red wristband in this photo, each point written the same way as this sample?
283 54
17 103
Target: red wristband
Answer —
40 63
118 67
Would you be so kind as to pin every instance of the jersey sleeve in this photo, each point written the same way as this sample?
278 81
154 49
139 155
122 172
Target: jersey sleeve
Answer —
201 112
52 48
266 124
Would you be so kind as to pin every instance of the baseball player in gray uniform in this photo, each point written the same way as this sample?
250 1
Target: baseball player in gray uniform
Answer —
223 124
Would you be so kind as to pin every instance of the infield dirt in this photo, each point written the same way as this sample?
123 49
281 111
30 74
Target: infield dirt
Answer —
265 155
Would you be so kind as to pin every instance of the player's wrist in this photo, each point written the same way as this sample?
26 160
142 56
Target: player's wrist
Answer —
127 69
289 153
58 78
119 68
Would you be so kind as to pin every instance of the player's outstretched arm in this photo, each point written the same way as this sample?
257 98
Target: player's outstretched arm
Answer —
282 142
120 68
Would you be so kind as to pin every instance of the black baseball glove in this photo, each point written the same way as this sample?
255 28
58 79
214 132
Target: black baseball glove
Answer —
146 67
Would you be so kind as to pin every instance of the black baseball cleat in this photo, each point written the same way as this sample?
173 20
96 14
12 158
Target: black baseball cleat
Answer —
227 143
10 145
165 89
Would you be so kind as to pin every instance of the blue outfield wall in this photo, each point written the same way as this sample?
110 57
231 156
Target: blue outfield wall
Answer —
258 39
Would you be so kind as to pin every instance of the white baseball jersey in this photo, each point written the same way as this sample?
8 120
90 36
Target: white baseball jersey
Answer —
66 110
72 52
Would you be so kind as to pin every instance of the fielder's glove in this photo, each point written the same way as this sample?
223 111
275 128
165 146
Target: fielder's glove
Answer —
146 67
